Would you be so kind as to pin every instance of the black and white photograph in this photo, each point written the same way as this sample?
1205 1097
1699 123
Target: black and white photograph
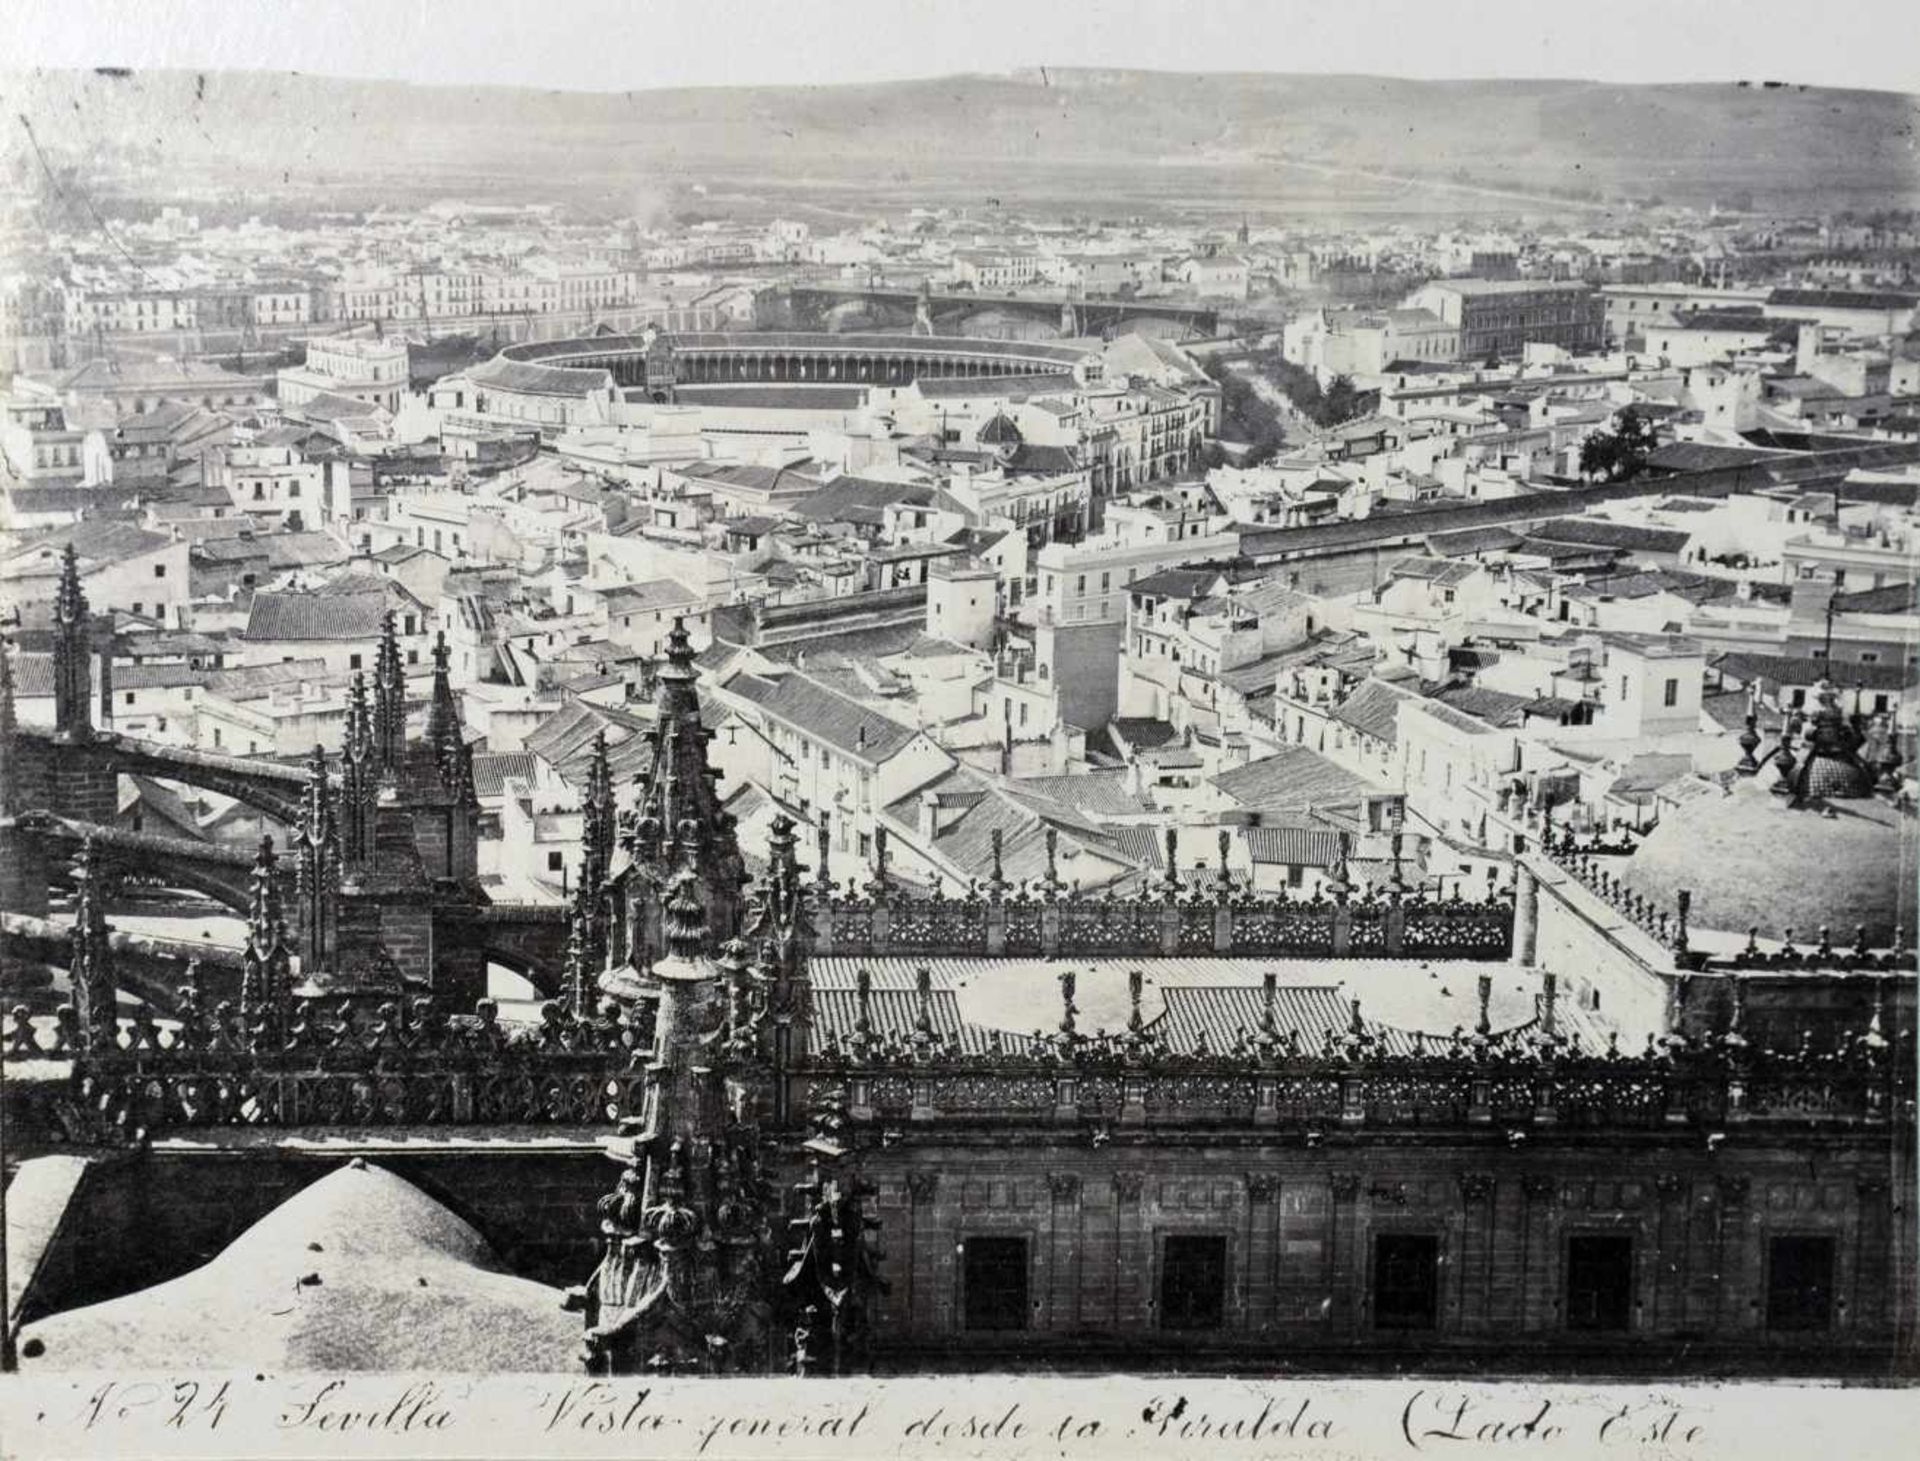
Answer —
960 729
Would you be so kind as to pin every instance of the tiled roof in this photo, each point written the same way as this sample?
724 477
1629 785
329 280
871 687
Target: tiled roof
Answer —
156 677
1785 669
249 682
1464 541
1142 844
1434 570
1457 719
1097 793
354 616
895 1012
1373 709
823 714
1000 387
1221 1013
539 380
1292 846
1599 532
1842 299
492 771
94 542
1292 777
1177 583
860 500
303 550
1892 598
652 593
1141 733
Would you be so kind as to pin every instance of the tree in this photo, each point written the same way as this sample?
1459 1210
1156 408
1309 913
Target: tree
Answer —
1339 402
1619 454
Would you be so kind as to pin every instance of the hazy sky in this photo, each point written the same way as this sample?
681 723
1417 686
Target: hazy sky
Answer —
617 45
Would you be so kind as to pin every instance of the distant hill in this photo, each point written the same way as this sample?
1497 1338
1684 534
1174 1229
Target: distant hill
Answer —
1786 145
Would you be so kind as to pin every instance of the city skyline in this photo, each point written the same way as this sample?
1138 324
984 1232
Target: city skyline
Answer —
702 696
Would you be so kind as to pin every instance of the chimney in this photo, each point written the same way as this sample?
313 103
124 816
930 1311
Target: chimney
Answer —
929 814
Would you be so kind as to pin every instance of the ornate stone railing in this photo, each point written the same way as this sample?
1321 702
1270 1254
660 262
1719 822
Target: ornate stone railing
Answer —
1518 1085
1042 918
332 1063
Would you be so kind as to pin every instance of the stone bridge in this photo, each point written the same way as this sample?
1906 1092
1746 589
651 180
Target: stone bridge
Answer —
843 308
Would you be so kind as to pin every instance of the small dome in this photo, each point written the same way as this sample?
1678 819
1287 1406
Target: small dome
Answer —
1000 431
359 1271
1752 860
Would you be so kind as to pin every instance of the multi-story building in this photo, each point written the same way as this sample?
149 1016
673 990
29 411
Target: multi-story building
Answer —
1630 310
372 371
100 312
122 568
1498 318
278 487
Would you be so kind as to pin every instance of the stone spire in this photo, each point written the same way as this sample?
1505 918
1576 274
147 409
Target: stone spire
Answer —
95 996
266 977
317 867
359 781
677 815
686 1280
582 968
443 737
598 815
389 701
72 654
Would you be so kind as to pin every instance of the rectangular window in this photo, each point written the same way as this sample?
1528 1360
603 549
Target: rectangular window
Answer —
1406 1281
1800 1283
1599 1281
160 571
1672 695
554 861
1193 1282
994 1283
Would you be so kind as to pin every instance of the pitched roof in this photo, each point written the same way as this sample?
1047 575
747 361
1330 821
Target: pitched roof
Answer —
860 500
1891 598
1292 777
1373 709
1293 846
1097 793
824 714
95 541
1843 299
1786 669
651 593
1601 533
317 615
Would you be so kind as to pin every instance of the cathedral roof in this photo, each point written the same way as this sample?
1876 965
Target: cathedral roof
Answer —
359 1271
1752 860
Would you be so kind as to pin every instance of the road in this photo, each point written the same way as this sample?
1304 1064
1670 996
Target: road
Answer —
1300 430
